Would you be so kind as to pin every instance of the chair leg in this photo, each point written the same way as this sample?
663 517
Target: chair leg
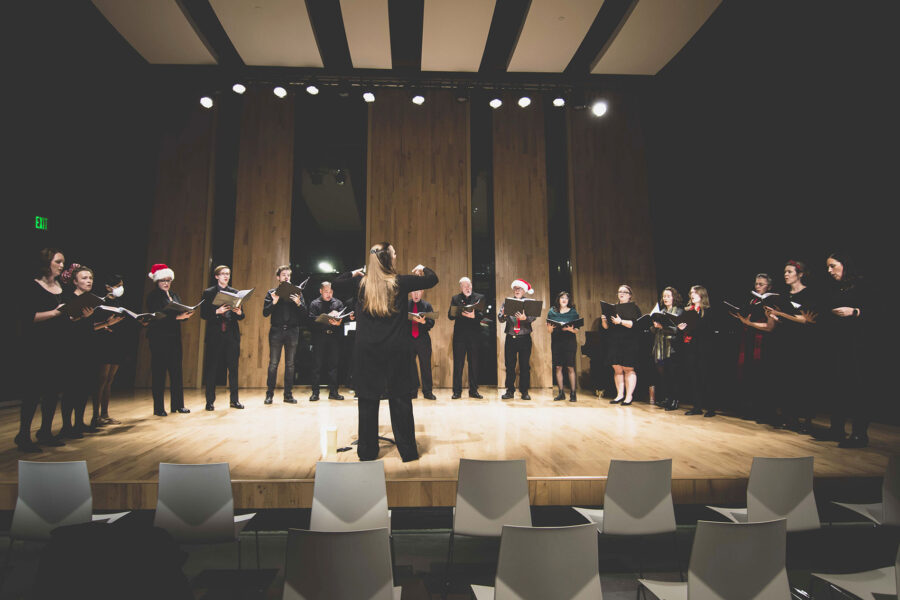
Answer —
239 552
640 557
393 556
447 582
257 549
677 558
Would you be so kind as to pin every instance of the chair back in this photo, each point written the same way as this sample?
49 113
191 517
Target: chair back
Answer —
338 565
548 562
890 492
638 498
782 488
195 503
739 561
349 497
51 494
489 495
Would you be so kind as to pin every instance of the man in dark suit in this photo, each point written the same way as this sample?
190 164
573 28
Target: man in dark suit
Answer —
326 341
286 315
466 337
223 338
421 342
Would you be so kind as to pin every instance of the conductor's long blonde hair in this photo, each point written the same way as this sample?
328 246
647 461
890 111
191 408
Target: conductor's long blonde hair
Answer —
378 288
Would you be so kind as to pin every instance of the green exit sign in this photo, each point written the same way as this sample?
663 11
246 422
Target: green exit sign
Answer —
40 223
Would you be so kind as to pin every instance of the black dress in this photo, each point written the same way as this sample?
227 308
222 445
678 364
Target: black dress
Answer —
45 351
110 344
796 352
624 346
563 344
845 347
381 362
80 368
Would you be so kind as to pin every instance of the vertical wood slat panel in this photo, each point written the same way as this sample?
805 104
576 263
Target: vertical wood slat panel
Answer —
181 229
262 229
521 245
612 235
418 197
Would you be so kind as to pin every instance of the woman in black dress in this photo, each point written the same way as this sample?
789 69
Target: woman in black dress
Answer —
624 345
44 350
563 342
697 344
797 351
165 343
383 349
844 329
754 360
109 345
79 363
665 352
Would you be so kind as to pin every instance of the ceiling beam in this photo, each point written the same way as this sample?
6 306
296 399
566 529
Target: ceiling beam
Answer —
606 26
328 29
206 24
506 26
406 22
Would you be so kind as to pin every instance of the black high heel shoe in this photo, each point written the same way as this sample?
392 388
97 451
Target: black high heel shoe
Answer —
627 403
672 405
616 400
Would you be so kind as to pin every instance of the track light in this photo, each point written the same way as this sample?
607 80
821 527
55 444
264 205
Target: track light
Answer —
559 101
578 99
599 108
206 102
369 96
280 91
418 99
524 101
462 95
343 89
496 103
311 89
239 88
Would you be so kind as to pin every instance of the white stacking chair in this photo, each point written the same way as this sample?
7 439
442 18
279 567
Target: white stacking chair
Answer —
349 497
196 506
545 562
637 502
779 488
732 561
883 582
338 565
489 495
886 512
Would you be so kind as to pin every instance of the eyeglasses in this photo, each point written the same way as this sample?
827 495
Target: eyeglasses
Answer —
165 281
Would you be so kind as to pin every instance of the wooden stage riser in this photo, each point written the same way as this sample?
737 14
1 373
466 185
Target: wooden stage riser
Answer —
259 495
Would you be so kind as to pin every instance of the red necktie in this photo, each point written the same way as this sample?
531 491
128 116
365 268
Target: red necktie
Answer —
415 326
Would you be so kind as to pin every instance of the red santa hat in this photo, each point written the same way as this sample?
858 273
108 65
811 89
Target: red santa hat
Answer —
522 284
161 271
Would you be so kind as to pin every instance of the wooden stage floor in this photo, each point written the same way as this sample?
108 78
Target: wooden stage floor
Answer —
273 449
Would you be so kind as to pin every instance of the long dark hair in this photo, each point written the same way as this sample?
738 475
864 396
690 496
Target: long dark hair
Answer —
556 305
849 276
677 300
43 260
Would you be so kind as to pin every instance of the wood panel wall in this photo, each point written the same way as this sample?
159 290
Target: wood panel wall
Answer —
609 211
520 220
181 229
262 228
418 197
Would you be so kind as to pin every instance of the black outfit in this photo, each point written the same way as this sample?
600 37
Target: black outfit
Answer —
516 348
326 344
754 366
283 333
666 355
846 352
624 345
46 353
79 368
421 343
466 342
381 362
223 342
698 347
563 344
165 352
796 359
111 345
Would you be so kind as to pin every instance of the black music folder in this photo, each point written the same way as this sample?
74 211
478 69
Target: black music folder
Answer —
75 306
231 299
456 310
577 323
531 308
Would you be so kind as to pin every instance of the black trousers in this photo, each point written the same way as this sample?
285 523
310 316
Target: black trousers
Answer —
327 351
402 423
667 379
286 337
848 397
517 349
79 385
422 349
696 362
165 357
465 347
44 391
221 347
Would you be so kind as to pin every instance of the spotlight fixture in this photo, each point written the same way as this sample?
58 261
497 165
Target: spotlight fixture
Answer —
343 89
280 91
239 88
369 96
462 95
418 99
599 108
524 101
206 102
325 267
578 99
559 101
496 103
311 89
